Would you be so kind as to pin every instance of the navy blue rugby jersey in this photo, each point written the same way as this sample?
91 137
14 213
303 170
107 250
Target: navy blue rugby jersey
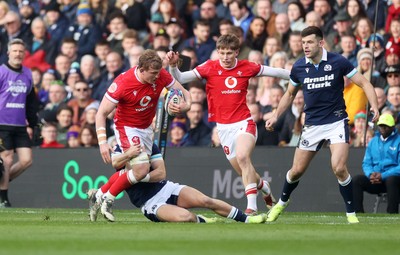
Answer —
140 192
323 86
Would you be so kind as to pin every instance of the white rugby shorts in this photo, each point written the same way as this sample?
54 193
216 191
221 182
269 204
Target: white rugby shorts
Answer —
228 134
313 136
126 136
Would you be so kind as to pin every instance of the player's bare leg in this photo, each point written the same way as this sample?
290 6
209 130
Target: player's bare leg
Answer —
301 160
339 155
23 163
244 147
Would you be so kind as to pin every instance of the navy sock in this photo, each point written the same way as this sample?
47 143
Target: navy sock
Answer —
3 195
288 189
346 190
200 219
240 216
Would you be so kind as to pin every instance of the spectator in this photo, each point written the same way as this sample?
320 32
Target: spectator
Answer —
225 26
167 9
355 99
40 49
272 45
101 13
257 34
267 111
364 59
56 23
62 66
291 118
349 47
297 129
393 44
74 75
72 139
393 99
84 31
308 5
64 122
295 46
27 14
69 48
155 24
241 15
343 26
377 42
114 67
296 16
198 134
17 120
135 13
392 76
314 19
69 9
134 54
381 167
381 96
208 12
177 133
393 13
117 27
363 30
324 9
4 8
244 50
175 33
358 131
129 40
82 98
161 39
282 24
101 50
43 91
87 137
256 115
201 42
381 15
57 96
263 9
223 9
89 71
356 11
49 135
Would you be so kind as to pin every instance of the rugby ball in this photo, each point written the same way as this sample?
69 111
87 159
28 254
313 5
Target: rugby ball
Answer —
173 96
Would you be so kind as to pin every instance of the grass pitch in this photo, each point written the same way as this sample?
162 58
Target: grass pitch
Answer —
69 231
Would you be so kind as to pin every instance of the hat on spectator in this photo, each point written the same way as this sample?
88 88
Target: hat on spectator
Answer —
93 106
52 6
157 18
74 134
24 3
392 49
386 119
179 122
173 20
392 69
342 16
377 38
83 8
360 114
364 53
162 32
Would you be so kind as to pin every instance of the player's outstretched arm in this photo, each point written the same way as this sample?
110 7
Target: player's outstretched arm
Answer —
182 77
369 91
285 102
276 72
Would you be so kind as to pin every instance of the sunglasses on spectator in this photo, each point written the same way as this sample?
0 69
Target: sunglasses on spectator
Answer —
393 75
84 90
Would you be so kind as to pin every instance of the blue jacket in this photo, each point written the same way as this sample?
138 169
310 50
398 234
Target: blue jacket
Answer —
383 156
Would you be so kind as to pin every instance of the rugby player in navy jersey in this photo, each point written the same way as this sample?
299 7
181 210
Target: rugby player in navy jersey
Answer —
320 75
161 200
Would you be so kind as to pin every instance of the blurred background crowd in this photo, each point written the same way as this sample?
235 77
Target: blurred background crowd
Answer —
76 48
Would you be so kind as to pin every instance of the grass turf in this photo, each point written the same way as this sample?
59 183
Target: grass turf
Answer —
68 231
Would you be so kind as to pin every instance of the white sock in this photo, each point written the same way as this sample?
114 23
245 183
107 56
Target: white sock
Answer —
98 195
108 196
251 194
263 185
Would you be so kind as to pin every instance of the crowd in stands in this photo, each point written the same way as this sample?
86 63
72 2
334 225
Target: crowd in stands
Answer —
75 49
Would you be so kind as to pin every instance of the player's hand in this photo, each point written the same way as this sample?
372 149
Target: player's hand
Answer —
270 122
375 114
172 58
105 151
135 150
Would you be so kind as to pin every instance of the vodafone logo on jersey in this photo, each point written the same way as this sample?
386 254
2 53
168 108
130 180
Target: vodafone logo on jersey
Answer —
145 101
231 82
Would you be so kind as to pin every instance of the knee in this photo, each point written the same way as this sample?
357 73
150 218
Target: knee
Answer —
242 159
186 217
340 171
25 163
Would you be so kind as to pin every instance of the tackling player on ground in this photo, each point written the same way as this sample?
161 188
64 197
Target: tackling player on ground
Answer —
136 93
227 83
161 200
320 75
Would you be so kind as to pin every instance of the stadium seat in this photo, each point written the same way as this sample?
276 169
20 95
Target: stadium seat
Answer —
380 198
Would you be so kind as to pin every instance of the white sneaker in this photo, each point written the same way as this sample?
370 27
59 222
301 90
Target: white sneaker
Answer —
94 205
106 209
